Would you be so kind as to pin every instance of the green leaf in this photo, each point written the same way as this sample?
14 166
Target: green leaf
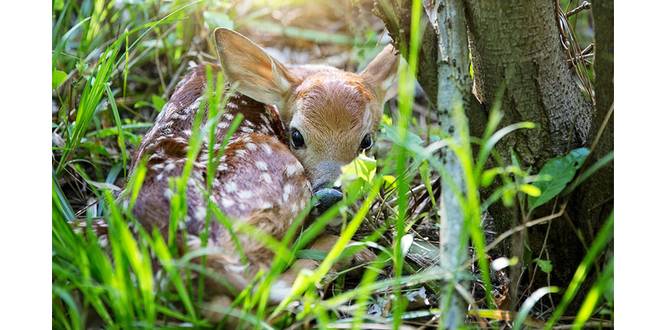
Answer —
545 265
530 190
390 181
311 254
59 77
158 102
58 5
559 171
216 19
489 175
363 167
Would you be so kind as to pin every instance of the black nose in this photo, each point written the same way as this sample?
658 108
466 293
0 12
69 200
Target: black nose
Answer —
327 197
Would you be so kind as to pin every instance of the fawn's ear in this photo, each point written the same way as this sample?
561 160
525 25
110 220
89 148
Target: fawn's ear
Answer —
381 73
258 75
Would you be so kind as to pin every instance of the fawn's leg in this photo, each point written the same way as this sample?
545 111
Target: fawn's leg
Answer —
324 243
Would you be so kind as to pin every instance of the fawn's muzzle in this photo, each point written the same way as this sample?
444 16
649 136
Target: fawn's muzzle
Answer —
327 197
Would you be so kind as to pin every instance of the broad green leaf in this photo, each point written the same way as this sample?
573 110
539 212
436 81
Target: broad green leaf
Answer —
362 167
559 171
545 265
158 102
58 78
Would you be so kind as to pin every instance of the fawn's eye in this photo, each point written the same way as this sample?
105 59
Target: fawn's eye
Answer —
366 142
297 140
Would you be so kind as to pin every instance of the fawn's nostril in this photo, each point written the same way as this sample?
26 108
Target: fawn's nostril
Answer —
327 197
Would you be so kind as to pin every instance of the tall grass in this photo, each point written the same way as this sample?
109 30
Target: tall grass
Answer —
112 66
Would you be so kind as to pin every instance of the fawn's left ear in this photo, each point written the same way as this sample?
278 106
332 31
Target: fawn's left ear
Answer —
381 73
259 76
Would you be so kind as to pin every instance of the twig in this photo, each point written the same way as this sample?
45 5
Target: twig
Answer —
528 224
588 49
584 5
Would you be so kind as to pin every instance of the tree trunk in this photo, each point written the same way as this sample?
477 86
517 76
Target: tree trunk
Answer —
448 20
396 16
444 75
594 200
516 45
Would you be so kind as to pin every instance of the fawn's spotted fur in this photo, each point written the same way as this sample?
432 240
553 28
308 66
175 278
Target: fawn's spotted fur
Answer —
261 179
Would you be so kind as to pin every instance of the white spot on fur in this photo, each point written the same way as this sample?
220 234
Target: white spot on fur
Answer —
261 165
245 194
226 202
266 177
287 191
266 148
293 169
231 187
168 193
170 166
200 213
251 146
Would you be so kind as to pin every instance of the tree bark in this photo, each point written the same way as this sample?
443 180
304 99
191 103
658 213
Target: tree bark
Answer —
448 21
444 75
396 16
516 45
594 200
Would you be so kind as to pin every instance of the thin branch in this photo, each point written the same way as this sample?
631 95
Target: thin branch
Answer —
528 224
583 6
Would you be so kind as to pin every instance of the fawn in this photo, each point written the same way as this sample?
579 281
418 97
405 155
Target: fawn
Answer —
301 124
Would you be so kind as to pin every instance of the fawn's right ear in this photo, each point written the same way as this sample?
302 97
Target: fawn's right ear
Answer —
258 75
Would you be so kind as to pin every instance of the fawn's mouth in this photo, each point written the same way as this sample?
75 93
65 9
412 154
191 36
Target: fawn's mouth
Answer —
326 197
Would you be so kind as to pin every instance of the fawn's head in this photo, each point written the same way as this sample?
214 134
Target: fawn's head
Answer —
331 115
